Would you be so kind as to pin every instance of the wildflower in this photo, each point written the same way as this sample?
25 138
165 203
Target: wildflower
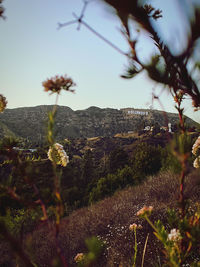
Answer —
79 257
174 235
196 163
58 155
196 146
58 83
3 103
145 211
134 226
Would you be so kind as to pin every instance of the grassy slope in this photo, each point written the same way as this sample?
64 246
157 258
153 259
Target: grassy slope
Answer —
110 219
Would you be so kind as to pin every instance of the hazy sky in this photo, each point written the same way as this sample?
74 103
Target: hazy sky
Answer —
32 50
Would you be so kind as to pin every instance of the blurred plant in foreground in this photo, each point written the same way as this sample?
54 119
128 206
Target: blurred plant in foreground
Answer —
196 152
3 103
22 167
58 83
180 74
95 248
181 244
56 153
133 228
2 9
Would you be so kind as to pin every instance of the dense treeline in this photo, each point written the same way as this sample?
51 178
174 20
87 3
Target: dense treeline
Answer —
87 178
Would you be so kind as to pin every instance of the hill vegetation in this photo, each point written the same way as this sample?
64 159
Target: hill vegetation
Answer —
109 220
30 123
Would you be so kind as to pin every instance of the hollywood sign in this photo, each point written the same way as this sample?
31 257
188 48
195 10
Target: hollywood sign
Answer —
137 112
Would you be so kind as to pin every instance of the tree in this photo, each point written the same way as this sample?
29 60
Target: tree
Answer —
146 159
118 158
88 169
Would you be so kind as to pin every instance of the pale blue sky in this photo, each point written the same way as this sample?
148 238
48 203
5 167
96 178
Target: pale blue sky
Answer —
32 49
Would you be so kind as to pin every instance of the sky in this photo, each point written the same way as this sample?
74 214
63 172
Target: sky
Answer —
32 49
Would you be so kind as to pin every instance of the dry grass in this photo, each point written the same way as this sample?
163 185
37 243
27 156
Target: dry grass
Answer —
110 219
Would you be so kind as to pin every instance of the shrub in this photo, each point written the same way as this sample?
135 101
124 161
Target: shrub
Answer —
146 159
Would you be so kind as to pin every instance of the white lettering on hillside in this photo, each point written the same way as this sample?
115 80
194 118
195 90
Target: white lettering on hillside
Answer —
138 112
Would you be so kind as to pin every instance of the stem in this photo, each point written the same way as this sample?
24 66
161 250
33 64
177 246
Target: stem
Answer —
55 106
144 251
183 164
152 225
40 202
135 248
59 205
181 197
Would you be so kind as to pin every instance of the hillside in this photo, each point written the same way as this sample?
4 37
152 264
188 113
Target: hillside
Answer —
31 122
109 220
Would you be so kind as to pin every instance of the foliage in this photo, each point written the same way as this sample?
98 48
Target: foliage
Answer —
2 9
146 159
181 243
118 158
174 72
170 161
94 247
106 186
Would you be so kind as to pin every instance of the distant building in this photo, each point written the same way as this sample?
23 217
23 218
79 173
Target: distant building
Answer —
147 128
26 150
163 128
170 127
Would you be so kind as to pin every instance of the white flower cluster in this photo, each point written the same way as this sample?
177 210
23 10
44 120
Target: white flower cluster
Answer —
195 150
196 146
58 155
196 162
79 257
174 235
134 226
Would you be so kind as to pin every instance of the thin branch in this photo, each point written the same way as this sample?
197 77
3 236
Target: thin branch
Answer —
60 25
104 39
79 21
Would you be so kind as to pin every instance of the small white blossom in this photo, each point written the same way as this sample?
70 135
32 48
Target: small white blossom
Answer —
58 155
196 162
79 257
145 211
174 235
134 226
196 146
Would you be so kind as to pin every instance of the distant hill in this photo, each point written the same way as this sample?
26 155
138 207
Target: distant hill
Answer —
31 122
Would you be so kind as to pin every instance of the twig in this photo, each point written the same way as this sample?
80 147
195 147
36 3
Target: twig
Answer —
79 20
104 39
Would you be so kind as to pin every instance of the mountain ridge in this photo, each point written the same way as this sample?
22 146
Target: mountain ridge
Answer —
31 122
